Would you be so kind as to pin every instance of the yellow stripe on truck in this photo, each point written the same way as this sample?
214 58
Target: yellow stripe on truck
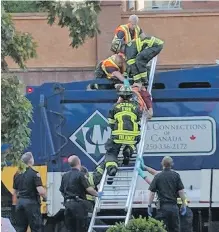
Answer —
8 175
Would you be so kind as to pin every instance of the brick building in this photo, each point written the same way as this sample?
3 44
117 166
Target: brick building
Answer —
191 38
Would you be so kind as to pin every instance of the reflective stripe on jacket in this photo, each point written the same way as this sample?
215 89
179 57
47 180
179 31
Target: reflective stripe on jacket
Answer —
124 120
136 46
91 182
179 201
110 62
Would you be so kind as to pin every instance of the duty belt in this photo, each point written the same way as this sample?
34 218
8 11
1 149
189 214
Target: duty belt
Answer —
76 198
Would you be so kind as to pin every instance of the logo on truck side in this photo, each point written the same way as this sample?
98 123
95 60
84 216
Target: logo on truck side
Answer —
91 137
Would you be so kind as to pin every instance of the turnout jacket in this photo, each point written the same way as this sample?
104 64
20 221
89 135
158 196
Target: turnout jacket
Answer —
134 47
124 120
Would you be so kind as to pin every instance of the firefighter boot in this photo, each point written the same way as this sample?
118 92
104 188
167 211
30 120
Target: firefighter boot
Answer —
111 171
127 154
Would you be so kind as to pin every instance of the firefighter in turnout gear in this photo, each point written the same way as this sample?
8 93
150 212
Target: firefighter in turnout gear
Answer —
112 69
142 97
94 179
124 120
129 31
138 53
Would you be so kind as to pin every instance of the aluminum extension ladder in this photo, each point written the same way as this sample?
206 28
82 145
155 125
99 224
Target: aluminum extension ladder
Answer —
125 181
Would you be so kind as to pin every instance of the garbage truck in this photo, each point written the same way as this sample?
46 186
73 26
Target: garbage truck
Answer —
69 118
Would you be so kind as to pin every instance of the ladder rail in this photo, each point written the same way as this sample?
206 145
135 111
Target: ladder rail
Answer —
140 148
97 203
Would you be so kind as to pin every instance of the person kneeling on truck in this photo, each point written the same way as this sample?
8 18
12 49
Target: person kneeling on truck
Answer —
94 179
124 120
186 220
112 69
142 97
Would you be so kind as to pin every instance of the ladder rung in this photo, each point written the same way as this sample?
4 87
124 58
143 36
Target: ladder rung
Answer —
126 168
101 226
130 159
113 200
108 206
113 195
120 177
110 217
116 185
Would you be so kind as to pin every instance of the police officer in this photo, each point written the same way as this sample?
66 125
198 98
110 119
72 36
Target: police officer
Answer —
28 188
124 120
73 187
168 186
93 179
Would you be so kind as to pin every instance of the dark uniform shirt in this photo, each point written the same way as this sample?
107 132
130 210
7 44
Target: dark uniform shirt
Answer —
26 184
74 184
167 184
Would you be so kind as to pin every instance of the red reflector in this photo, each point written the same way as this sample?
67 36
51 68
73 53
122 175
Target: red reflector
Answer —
65 160
29 90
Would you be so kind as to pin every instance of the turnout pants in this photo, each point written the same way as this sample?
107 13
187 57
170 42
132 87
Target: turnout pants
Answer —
169 214
139 70
90 208
28 213
111 157
76 215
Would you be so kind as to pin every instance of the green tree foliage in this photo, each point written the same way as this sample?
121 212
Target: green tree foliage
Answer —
16 113
80 17
139 224
19 46
20 6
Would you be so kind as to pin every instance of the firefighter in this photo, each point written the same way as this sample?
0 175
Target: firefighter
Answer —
138 53
124 120
112 69
129 31
94 180
142 97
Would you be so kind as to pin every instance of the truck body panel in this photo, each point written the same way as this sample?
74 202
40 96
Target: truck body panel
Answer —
69 119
